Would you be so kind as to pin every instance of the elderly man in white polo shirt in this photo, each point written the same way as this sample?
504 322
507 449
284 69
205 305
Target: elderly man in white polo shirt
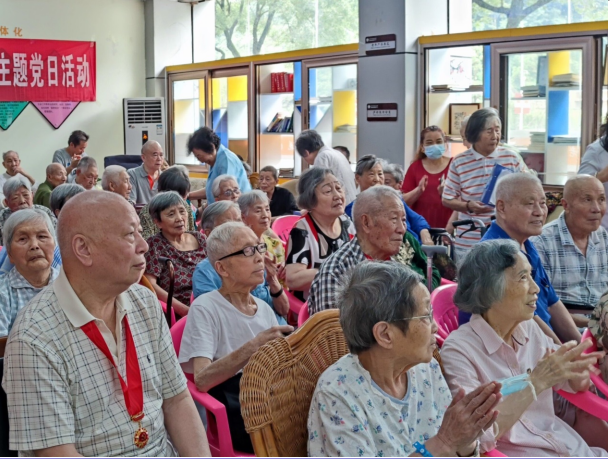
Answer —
144 178
89 366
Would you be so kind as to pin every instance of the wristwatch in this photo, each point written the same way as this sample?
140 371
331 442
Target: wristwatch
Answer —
468 208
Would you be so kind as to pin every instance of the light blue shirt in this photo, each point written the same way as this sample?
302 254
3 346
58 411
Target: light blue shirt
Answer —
15 293
229 163
206 279
6 265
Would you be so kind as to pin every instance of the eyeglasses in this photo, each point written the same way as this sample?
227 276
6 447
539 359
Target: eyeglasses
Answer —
428 316
233 192
248 251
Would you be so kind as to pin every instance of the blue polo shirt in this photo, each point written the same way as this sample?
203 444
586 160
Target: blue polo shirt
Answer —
229 163
547 296
415 222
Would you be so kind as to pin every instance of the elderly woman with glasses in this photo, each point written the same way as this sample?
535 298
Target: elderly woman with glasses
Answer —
502 343
227 326
388 396
29 238
184 248
369 173
225 188
320 233
175 178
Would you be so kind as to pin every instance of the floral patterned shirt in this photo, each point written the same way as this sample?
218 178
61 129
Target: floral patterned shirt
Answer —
351 416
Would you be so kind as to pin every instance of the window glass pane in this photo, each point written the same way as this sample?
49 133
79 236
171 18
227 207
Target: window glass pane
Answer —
230 113
252 27
503 14
189 115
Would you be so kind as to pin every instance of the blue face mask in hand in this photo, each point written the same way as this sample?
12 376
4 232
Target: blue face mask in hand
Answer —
434 151
516 384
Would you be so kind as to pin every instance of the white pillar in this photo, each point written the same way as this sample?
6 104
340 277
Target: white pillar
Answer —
392 78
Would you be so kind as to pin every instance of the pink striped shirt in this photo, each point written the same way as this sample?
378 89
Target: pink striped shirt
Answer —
468 175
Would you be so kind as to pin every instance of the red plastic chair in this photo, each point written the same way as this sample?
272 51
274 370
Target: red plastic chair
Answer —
219 435
282 226
303 314
444 311
295 308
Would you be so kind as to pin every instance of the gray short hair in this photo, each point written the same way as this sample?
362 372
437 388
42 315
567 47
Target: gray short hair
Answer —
307 185
375 292
482 277
61 194
273 171
12 185
111 174
219 241
509 184
395 170
251 198
85 163
479 121
6 153
215 210
366 163
162 201
308 140
219 181
369 202
17 219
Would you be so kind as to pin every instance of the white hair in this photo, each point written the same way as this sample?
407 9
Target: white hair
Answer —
219 181
251 198
510 184
111 174
12 185
24 216
220 241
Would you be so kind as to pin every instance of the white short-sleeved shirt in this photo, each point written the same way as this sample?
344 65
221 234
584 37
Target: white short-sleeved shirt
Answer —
351 416
338 163
215 328
61 388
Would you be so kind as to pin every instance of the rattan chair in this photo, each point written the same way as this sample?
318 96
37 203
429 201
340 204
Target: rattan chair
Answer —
278 383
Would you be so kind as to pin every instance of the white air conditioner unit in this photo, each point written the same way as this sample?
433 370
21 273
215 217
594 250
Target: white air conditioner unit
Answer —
144 119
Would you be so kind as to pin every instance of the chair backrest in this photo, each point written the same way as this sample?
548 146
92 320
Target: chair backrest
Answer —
282 226
127 161
303 315
445 312
292 186
146 283
177 331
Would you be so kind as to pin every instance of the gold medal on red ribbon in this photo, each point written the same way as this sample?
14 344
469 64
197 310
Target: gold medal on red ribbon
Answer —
140 438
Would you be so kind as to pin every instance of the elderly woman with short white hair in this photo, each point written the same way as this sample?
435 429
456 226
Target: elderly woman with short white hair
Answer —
225 188
388 396
18 196
29 237
184 248
502 343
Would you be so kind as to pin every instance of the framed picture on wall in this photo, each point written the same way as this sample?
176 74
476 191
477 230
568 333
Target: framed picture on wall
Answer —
457 113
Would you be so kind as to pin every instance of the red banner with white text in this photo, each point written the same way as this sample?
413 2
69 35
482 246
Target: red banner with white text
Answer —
47 70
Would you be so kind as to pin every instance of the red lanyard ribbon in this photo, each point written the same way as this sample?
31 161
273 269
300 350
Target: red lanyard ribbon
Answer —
132 390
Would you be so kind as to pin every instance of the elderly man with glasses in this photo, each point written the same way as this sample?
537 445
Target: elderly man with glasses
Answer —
226 326
144 178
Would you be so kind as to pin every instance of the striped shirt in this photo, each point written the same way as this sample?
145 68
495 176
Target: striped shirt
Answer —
468 175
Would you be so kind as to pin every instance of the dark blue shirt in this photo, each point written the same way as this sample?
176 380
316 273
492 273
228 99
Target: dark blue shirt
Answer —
547 296
415 222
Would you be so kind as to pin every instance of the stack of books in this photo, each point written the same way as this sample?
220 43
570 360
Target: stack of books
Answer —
475 87
565 140
537 141
533 91
565 80
282 82
447 87
280 123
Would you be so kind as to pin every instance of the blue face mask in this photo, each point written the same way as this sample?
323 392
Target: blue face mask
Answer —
434 151
516 384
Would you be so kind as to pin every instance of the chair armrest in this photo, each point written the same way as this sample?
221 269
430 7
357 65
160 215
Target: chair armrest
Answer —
601 385
437 231
493 453
219 412
588 402
295 303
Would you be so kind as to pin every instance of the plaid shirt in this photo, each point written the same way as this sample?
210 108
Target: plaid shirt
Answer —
15 293
577 279
326 282
61 389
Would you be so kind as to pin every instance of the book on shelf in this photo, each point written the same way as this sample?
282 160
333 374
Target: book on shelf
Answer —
537 139
565 140
281 124
282 82
475 87
533 91
565 80
448 87
351 128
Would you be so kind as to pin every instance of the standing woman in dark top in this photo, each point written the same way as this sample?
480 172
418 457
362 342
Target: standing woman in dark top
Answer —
320 233
281 201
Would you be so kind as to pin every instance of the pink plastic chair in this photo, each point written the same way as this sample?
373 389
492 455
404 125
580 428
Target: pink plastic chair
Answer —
445 312
219 435
282 226
164 307
303 314
601 385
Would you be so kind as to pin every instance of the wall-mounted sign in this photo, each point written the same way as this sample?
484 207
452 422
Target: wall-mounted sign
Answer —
47 70
9 111
380 44
382 112
55 112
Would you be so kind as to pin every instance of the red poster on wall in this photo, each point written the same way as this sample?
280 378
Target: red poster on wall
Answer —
47 70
